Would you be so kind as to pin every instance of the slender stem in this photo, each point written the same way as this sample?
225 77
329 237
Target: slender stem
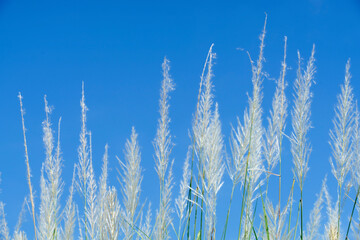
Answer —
301 212
243 199
228 212
252 223
297 221
195 218
246 173
202 212
265 216
352 213
190 187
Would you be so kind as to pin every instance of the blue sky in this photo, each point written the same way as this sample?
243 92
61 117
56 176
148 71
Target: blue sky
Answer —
117 47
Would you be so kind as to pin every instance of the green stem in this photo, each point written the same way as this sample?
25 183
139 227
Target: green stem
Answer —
195 220
301 211
228 212
252 224
202 212
243 198
352 213
297 221
245 183
190 187
265 216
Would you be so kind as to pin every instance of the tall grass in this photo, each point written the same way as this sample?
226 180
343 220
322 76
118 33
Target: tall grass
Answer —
255 157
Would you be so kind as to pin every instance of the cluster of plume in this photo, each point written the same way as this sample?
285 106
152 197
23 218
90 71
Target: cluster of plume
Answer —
94 209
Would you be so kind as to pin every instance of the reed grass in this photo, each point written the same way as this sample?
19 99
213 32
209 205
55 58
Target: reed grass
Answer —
256 158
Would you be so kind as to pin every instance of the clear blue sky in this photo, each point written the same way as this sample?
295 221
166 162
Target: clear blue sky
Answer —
117 47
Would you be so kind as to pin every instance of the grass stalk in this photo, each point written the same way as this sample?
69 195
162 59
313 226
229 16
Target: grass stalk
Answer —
352 213
243 197
297 221
339 213
228 212
265 216
301 213
195 218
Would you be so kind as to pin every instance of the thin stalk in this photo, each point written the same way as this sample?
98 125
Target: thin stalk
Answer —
243 197
202 211
301 211
193 149
190 187
252 224
228 212
352 213
246 173
195 220
187 226
297 221
255 233
265 217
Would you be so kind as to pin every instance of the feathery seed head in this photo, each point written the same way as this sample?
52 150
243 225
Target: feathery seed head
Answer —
300 146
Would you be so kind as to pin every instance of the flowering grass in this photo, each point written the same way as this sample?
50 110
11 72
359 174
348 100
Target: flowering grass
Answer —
189 209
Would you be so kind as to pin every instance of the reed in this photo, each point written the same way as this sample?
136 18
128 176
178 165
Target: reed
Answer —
94 210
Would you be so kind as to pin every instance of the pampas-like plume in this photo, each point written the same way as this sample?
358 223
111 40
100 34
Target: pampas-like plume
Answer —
84 162
247 138
208 147
341 135
163 217
331 228
181 201
4 229
204 111
83 151
46 227
213 171
112 214
300 146
91 213
355 168
101 204
147 225
130 184
28 170
51 183
69 213
246 141
315 216
20 235
163 146
277 118
276 221
86 179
